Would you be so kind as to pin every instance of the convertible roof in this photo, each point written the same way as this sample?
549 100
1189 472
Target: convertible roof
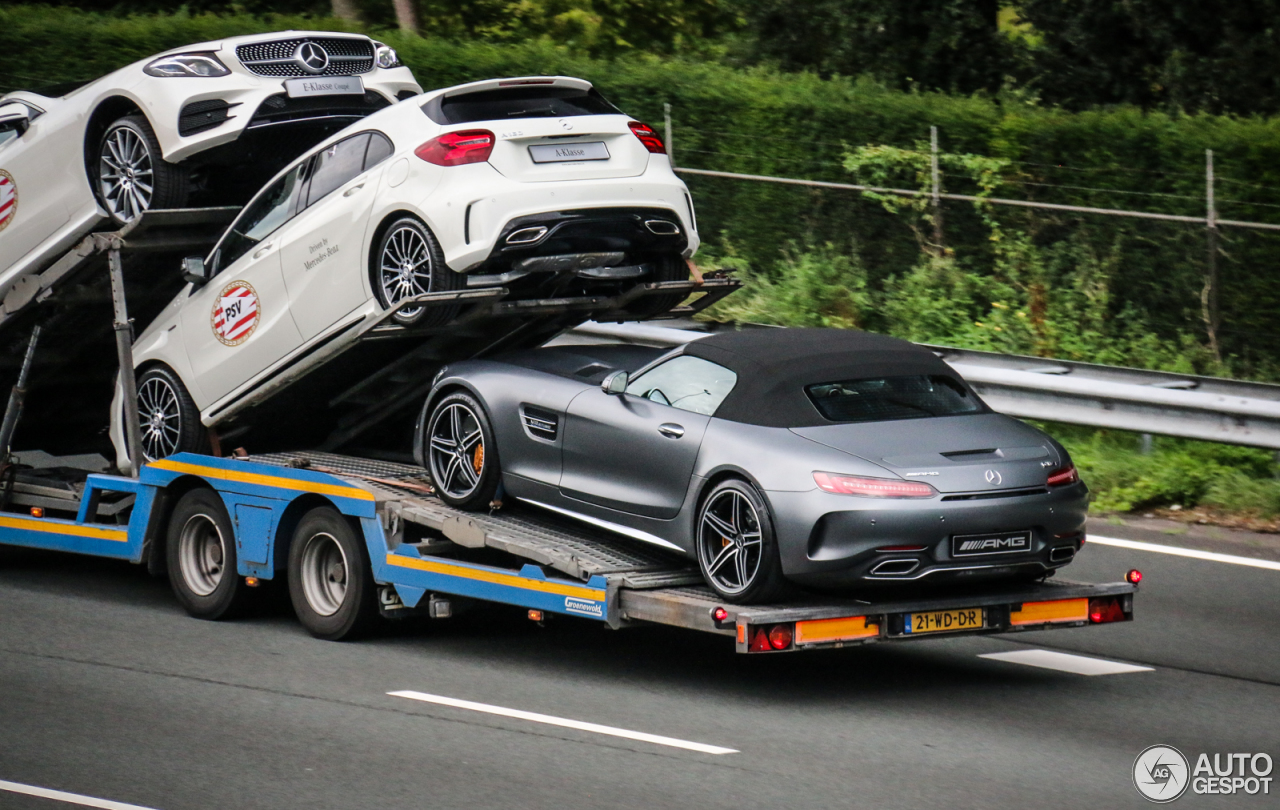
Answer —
775 365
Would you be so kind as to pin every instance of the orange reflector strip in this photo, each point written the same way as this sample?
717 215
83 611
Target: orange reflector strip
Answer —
820 630
1061 610
742 634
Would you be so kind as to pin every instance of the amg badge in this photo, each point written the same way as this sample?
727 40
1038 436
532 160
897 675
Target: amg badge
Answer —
964 545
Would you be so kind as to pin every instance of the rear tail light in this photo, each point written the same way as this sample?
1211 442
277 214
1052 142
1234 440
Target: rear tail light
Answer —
872 487
457 148
1066 475
780 636
648 137
1105 609
1133 577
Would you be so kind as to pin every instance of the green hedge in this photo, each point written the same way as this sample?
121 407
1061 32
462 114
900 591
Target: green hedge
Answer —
1149 275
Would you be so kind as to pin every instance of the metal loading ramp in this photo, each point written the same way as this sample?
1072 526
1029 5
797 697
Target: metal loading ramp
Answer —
527 532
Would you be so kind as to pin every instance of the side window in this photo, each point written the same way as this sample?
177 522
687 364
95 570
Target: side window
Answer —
379 150
8 131
336 165
687 383
269 211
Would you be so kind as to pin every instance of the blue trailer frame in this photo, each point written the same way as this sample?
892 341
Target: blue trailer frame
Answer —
264 501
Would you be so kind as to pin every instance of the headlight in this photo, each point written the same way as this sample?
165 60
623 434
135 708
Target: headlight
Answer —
385 56
186 64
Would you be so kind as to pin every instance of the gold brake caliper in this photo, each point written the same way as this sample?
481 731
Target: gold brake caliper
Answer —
477 460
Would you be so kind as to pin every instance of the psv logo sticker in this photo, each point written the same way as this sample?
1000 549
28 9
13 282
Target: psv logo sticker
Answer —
235 313
8 199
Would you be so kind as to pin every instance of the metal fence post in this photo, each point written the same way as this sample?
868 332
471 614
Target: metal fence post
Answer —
937 188
124 352
1209 296
666 127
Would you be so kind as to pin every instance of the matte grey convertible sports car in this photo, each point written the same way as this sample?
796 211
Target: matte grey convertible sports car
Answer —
826 457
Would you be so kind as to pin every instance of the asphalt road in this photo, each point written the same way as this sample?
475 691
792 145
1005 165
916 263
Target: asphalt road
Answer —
108 690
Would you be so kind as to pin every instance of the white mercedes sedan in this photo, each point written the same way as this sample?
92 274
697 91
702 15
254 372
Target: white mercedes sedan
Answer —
538 185
203 124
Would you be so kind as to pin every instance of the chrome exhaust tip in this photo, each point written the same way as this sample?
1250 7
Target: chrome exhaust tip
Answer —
895 568
662 227
1062 554
526 236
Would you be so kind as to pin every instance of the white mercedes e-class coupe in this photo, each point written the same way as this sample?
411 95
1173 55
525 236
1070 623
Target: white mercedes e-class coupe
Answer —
204 124
538 185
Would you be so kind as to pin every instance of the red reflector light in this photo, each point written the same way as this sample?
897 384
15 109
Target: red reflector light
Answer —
780 636
1066 475
901 548
648 137
1134 576
759 641
720 614
1106 609
872 487
457 148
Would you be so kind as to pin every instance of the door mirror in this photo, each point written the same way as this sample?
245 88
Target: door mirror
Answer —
615 384
15 116
193 270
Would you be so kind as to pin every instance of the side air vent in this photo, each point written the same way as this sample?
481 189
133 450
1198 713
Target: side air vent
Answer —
201 115
540 424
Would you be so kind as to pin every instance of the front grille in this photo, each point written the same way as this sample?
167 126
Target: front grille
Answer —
347 57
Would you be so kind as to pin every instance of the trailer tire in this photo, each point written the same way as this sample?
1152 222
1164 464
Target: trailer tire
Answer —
200 546
330 581
458 440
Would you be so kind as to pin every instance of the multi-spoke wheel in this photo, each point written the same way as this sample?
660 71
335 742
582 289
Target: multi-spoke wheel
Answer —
132 173
409 263
736 547
169 419
330 583
201 553
460 452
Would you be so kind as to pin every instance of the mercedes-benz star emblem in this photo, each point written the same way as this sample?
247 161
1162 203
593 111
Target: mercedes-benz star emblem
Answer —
311 57
993 477
566 125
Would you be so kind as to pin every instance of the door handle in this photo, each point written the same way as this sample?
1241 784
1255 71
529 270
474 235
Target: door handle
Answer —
671 430
352 190
262 251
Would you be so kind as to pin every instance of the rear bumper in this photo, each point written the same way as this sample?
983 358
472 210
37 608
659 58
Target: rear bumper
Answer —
832 540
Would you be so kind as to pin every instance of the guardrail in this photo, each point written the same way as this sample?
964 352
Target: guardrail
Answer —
1188 406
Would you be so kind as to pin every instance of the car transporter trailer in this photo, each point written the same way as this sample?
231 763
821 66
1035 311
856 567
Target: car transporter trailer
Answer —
424 558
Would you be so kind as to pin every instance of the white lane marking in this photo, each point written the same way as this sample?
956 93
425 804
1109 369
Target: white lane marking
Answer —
562 722
69 798
1078 664
1212 556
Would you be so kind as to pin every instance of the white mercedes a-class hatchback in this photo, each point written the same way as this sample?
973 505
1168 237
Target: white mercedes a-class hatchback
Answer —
199 125
536 185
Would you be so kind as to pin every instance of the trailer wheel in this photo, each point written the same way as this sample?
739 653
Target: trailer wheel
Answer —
409 262
666 268
168 416
461 454
330 582
737 549
133 176
201 552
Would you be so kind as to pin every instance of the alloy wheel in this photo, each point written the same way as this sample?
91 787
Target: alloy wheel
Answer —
125 174
201 554
730 541
324 574
160 417
456 450
404 268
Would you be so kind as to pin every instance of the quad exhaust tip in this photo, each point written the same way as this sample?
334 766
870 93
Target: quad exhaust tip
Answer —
662 227
895 568
526 236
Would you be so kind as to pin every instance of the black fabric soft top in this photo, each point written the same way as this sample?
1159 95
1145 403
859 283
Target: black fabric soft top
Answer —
775 365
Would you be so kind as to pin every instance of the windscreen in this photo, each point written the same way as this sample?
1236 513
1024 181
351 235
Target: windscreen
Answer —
884 399
520 102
